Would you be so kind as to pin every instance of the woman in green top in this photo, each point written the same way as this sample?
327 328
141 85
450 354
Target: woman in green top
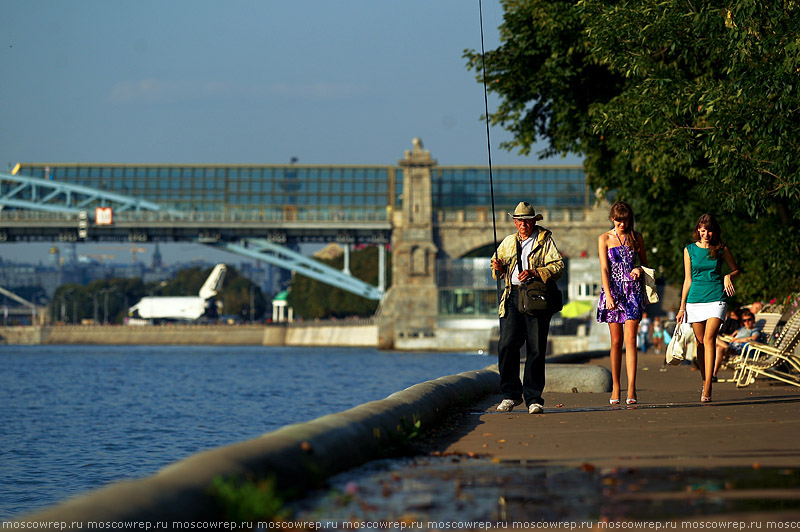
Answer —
705 291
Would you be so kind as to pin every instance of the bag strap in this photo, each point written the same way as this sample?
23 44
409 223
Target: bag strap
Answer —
519 251
534 247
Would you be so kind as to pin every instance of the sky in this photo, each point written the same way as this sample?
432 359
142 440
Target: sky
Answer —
244 81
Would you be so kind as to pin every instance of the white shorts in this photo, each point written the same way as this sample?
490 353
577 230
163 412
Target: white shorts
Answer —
696 312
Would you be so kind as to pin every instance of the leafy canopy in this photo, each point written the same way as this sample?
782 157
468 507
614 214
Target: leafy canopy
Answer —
312 299
680 108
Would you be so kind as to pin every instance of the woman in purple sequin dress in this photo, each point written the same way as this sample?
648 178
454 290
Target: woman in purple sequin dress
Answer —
621 299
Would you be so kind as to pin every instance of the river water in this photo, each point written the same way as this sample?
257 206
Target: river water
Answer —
73 418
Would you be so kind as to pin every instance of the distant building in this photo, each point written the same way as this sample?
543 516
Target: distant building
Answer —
14 275
157 262
584 278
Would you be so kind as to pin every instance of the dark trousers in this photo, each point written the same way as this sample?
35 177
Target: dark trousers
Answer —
517 329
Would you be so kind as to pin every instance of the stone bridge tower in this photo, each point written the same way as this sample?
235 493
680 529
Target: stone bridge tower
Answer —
410 307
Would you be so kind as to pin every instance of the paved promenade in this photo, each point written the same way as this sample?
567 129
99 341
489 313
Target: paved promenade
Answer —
758 424
667 460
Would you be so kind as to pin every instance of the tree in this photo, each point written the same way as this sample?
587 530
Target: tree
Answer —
187 282
234 293
236 296
313 299
73 302
678 107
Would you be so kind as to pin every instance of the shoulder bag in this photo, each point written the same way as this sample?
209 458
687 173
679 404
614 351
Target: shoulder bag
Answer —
650 292
536 296
676 350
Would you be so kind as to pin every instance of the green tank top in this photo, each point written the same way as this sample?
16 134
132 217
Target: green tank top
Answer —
706 276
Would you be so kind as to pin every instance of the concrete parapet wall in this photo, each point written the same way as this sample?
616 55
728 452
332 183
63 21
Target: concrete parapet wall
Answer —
559 345
571 378
346 336
24 335
157 335
311 335
297 456
446 339
273 335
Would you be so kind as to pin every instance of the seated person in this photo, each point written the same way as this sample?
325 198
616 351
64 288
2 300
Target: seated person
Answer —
731 323
748 332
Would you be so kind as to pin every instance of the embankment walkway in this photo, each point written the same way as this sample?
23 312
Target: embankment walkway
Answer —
667 461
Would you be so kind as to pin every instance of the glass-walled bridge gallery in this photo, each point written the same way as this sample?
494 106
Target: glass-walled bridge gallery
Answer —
292 203
317 191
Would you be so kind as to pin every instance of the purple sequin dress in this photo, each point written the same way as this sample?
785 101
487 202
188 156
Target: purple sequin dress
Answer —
626 292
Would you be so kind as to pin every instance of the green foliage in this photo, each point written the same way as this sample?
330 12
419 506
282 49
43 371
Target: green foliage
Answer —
234 294
680 108
249 500
710 92
545 75
313 299
73 302
236 298
402 441
187 281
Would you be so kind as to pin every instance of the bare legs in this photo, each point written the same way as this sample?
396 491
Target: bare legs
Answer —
628 333
720 349
616 331
706 334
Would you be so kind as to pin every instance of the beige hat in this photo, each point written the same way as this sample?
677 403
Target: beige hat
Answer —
525 211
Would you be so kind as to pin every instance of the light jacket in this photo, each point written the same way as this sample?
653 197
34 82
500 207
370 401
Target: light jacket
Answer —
544 258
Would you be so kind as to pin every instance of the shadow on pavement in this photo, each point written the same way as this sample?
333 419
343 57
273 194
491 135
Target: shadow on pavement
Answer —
450 489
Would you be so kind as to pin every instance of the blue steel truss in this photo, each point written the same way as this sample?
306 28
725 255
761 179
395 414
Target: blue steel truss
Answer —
262 249
24 192
33 193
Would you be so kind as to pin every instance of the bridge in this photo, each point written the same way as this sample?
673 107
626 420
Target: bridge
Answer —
430 216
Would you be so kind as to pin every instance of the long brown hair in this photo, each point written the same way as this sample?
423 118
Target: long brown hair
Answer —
715 245
622 211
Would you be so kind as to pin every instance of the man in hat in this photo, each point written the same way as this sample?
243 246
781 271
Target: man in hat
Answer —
533 247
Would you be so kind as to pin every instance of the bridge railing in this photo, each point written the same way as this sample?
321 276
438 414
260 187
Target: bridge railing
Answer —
267 214
483 215
289 213
344 322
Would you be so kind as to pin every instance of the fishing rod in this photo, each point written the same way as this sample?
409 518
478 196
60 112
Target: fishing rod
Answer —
488 141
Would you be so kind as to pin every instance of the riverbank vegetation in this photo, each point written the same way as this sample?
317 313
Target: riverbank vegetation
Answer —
313 299
108 300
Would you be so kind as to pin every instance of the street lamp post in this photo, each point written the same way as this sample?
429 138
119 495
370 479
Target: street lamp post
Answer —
104 291
64 315
252 301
